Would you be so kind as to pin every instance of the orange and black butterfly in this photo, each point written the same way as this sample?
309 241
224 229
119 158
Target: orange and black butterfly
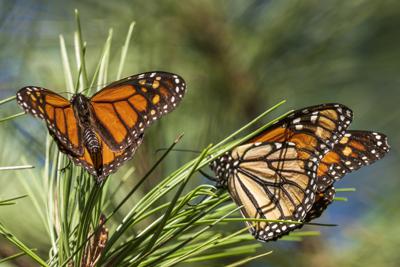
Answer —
287 171
273 176
103 131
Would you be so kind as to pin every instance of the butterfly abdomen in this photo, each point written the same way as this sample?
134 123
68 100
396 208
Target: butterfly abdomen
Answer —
82 110
90 140
92 144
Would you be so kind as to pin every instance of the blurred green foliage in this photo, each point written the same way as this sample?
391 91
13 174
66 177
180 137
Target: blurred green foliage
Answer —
237 57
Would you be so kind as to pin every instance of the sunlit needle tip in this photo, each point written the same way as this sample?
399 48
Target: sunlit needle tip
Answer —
179 138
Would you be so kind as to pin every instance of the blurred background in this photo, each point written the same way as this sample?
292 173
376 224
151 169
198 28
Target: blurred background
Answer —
238 58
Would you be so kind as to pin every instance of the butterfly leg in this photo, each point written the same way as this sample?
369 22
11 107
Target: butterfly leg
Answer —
208 176
66 167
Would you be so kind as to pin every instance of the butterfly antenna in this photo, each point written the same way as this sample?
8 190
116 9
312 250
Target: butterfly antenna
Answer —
84 90
94 86
65 93
87 89
66 167
208 176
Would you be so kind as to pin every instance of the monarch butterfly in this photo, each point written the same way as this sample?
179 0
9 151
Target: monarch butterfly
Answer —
287 171
103 131
273 176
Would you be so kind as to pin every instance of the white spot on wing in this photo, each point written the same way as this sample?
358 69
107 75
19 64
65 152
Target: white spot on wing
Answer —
314 118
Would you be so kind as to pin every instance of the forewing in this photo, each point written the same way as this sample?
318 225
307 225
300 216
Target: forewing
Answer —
354 150
125 108
58 114
270 181
315 130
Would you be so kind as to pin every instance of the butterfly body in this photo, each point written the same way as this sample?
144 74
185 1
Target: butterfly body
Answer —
103 131
84 113
82 109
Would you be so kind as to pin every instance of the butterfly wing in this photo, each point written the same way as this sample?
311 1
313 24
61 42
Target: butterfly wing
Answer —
58 114
322 201
354 150
268 186
125 108
304 136
111 160
314 130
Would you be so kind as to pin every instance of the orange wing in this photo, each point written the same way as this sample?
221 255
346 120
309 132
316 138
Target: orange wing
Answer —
354 150
315 130
58 114
111 160
125 108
